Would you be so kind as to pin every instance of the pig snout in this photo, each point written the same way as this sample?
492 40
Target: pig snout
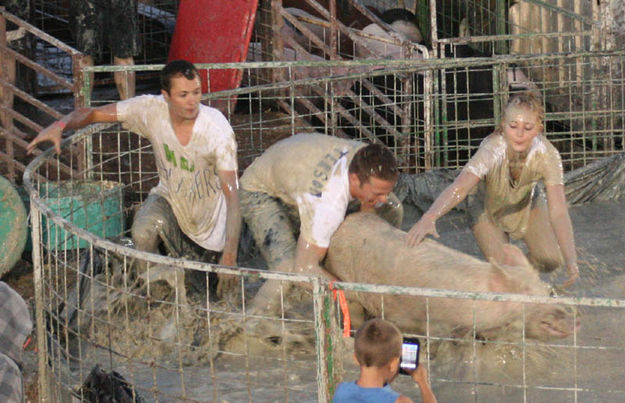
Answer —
553 322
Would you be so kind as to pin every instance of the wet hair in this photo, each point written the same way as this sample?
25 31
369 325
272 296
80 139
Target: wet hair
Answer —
527 100
175 69
377 342
374 160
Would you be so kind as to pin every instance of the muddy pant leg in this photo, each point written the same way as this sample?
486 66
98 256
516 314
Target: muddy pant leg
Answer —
274 233
154 224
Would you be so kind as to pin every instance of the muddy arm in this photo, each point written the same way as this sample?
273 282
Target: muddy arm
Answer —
77 119
230 187
307 258
561 222
447 200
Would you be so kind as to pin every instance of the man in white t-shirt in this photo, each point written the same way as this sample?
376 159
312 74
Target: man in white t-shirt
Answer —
295 195
196 200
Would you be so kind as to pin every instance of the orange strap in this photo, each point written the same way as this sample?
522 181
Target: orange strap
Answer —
347 320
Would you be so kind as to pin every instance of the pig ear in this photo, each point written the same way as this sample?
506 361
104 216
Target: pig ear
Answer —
499 279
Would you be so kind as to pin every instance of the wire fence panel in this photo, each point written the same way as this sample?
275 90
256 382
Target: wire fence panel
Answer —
156 319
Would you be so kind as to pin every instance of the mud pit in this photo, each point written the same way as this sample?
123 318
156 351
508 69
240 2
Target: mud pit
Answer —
249 367
191 352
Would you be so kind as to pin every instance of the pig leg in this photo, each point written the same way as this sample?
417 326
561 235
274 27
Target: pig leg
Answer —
275 235
541 241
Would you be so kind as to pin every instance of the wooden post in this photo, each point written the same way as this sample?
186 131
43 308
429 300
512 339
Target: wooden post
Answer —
7 66
82 98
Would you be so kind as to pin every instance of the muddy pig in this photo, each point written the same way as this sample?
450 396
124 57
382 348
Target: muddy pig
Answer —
365 249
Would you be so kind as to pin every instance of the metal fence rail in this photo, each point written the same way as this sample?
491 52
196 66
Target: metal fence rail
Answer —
172 342
431 113
175 342
18 61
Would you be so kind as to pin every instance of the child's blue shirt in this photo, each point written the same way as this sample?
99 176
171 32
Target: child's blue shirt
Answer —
350 392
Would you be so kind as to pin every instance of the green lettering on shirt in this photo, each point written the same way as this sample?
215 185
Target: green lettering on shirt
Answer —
170 155
184 164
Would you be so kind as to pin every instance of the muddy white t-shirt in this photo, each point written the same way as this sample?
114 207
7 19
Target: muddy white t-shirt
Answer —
188 177
309 171
507 202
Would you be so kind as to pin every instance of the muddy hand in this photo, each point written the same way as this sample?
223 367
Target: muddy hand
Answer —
51 133
418 231
573 275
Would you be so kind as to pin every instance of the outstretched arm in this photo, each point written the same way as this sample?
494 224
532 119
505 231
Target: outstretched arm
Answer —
77 119
447 200
561 222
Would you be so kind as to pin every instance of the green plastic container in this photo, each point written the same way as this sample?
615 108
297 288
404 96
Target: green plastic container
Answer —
95 206
13 226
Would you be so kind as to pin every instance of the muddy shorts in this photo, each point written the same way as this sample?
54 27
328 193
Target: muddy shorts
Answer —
99 23
155 218
274 226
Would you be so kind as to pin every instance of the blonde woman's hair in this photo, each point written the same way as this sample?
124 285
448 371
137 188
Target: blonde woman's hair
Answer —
528 100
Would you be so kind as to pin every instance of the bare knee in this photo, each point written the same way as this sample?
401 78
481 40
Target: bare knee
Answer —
145 236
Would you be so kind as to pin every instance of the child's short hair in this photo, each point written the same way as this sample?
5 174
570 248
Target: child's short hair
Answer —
377 342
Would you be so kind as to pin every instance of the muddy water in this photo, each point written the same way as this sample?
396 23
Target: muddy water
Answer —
588 367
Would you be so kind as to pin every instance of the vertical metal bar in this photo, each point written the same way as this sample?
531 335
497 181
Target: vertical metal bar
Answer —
433 29
275 44
577 8
7 72
428 129
82 97
323 392
332 342
441 116
498 71
560 27
334 31
406 121
501 46
35 217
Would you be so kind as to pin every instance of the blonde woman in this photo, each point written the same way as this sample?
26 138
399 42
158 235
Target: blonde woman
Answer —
508 201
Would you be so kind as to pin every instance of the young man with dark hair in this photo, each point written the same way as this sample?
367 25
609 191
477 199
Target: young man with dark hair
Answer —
196 200
295 195
377 348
